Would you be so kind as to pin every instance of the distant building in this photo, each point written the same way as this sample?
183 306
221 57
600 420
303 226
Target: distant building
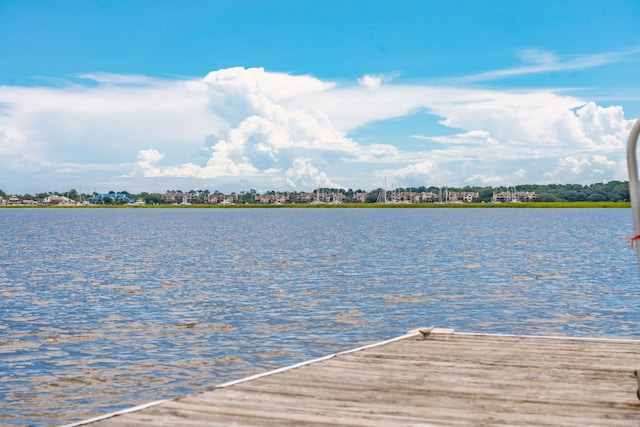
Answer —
178 198
412 197
272 199
54 200
320 196
463 197
514 196
304 197
359 197
525 196
427 197
222 199
119 198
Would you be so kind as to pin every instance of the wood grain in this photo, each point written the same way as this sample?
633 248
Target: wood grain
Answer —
447 379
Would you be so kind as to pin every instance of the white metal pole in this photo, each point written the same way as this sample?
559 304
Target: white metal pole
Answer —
634 187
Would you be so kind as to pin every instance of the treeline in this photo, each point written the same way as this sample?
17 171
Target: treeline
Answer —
613 191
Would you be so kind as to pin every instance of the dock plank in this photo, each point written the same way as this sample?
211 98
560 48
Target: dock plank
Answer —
446 380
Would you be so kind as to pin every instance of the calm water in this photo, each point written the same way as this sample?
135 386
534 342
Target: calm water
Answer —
102 309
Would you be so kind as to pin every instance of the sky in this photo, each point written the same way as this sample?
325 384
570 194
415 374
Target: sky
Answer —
157 95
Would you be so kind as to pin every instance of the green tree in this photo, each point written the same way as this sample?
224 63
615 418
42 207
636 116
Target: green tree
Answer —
546 197
598 196
486 194
617 191
153 199
372 196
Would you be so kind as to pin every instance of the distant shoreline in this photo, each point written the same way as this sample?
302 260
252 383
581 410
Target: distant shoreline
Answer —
534 205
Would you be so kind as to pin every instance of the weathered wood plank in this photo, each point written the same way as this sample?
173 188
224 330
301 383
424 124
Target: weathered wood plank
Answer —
446 380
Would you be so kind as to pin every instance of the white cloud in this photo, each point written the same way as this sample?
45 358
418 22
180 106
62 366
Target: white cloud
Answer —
374 81
539 61
604 161
149 156
146 163
575 165
278 131
76 122
418 172
370 82
519 175
303 174
537 56
474 137
586 169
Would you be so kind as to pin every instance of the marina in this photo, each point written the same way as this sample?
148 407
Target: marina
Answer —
429 377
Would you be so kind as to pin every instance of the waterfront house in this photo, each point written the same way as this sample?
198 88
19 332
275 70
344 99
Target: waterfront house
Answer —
514 196
178 198
328 197
427 197
119 198
222 199
322 197
525 196
335 197
463 197
55 200
272 199
359 198
304 197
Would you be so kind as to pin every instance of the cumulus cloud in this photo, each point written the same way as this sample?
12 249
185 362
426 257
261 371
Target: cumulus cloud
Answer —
374 81
149 157
575 165
370 82
283 131
416 172
585 169
536 126
303 174
71 123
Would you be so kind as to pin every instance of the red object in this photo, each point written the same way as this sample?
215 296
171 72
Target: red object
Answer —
633 239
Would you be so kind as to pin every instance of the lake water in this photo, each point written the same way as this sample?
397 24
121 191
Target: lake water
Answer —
102 309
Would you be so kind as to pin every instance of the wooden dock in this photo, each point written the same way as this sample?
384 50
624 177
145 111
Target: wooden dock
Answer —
437 378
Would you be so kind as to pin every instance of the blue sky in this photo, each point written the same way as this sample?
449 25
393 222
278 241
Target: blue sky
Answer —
291 95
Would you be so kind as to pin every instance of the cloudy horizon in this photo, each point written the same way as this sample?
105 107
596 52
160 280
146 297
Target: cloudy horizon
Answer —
241 127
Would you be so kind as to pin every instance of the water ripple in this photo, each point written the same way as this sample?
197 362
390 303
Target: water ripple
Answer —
103 309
